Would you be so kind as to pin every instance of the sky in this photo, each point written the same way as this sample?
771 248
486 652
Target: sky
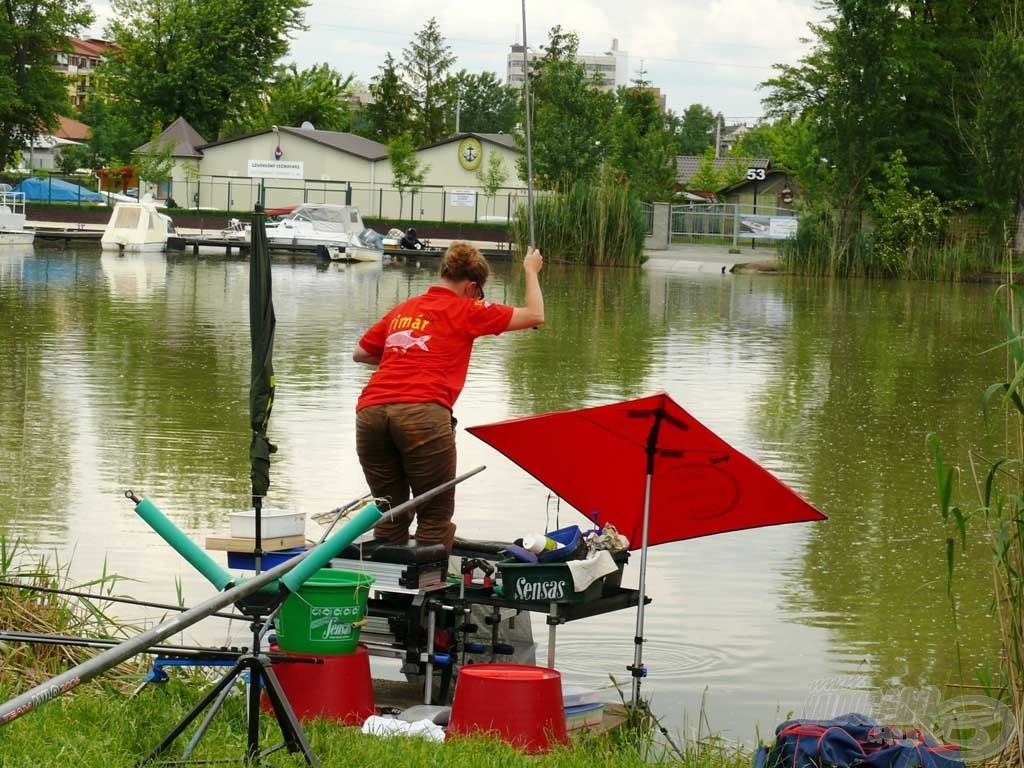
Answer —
713 52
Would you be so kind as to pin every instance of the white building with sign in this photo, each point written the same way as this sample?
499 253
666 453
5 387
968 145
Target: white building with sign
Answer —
297 165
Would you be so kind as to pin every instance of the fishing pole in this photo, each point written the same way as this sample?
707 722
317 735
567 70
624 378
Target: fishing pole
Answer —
289 575
529 145
191 651
113 599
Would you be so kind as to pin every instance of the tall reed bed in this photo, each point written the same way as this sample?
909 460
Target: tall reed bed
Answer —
588 223
25 609
997 520
966 248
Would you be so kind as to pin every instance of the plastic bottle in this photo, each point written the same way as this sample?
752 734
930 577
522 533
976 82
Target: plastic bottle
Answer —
538 542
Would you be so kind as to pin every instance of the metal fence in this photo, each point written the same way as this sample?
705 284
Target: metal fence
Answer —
462 204
730 223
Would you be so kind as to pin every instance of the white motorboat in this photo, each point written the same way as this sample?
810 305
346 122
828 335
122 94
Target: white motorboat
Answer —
137 228
12 220
338 228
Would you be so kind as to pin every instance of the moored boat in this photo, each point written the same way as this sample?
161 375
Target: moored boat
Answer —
12 220
137 228
338 229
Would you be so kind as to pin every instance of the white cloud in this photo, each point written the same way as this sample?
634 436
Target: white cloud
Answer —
713 51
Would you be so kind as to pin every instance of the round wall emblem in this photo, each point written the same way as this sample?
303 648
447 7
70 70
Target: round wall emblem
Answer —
470 153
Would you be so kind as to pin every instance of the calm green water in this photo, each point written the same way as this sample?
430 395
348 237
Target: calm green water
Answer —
132 372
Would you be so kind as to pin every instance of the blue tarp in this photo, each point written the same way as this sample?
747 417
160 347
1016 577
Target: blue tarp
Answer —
57 191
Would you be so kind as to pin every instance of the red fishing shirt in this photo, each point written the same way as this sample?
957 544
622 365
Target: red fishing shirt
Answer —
424 346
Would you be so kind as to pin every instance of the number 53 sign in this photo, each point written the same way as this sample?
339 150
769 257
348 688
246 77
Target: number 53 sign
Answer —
755 174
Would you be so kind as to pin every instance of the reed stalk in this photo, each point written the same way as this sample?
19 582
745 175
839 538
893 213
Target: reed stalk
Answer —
600 224
29 610
998 522
969 247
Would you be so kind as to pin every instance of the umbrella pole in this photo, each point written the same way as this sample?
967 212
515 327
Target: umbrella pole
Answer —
637 668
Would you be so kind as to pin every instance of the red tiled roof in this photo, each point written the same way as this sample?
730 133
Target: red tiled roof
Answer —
72 129
91 47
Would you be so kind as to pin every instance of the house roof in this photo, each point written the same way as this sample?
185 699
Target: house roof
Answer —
182 137
72 129
505 140
91 47
687 165
368 149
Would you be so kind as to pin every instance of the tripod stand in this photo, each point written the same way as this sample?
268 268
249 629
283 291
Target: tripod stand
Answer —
258 666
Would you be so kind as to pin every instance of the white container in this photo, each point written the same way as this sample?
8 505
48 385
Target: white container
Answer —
274 523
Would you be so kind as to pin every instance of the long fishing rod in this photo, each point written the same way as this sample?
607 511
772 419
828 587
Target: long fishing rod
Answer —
70 641
112 599
310 561
529 144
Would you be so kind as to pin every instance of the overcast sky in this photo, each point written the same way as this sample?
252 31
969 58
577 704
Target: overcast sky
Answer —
710 51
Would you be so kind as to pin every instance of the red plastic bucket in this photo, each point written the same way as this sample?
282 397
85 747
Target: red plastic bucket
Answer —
340 689
520 704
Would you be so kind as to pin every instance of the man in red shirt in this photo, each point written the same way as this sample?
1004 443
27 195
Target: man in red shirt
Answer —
405 431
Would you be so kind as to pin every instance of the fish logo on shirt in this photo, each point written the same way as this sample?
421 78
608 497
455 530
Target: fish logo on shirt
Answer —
404 341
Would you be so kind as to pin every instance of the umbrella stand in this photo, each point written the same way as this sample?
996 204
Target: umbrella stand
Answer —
637 668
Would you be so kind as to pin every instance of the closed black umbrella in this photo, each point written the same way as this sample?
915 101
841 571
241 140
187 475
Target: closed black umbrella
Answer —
261 385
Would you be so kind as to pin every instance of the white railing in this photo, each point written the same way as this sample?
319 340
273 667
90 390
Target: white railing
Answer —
12 202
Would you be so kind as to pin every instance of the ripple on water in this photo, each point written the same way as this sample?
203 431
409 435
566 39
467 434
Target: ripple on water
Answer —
674 661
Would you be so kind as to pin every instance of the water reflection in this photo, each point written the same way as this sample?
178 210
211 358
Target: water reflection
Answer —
133 372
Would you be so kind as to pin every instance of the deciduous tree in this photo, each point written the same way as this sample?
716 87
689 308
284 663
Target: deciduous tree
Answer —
205 60
32 93
484 104
317 95
407 173
569 115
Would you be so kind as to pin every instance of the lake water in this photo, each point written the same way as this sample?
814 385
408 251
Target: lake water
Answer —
132 372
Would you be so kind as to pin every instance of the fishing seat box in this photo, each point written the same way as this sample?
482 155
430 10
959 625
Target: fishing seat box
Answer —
551 582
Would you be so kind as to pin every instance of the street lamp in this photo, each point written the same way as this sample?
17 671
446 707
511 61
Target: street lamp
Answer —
278 153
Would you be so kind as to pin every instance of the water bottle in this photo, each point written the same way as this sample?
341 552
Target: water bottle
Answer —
538 542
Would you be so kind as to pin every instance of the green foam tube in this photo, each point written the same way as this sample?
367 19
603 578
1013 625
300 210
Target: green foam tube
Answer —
184 546
363 521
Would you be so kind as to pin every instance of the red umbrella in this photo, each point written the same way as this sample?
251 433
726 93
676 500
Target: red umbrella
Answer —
652 470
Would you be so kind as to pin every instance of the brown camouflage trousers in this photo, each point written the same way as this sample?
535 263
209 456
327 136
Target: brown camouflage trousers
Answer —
407 447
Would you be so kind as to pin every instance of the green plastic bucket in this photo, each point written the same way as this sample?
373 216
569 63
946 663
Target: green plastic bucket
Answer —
319 617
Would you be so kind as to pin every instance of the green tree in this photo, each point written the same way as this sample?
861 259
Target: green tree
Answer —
848 87
407 173
154 163
569 115
316 94
484 103
425 65
906 218
994 135
113 133
695 131
32 93
205 60
389 114
492 177
641 148
707 177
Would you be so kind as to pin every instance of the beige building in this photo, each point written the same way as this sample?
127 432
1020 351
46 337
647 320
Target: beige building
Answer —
297 165
611 67
79 64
